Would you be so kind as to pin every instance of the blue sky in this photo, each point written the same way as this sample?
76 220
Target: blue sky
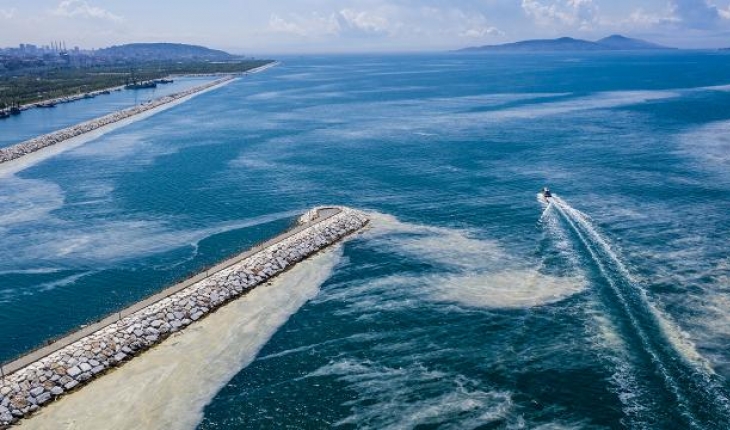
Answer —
288 26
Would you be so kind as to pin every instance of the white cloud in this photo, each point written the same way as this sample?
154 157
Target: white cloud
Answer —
313 25
481 32
582 14
642 18
364 22
81 8
7 13
434 25
475 26
346 22
280 25
544 14
456 22
688 14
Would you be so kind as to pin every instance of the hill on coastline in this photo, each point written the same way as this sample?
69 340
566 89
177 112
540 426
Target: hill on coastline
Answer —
164 51
611 43
626 43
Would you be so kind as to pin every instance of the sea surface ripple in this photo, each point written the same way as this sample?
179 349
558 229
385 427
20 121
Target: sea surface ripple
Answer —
468 304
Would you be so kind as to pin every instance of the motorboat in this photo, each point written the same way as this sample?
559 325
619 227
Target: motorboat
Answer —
545 192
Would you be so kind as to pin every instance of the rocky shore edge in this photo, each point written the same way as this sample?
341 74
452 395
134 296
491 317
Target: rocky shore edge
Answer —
27 390
37 143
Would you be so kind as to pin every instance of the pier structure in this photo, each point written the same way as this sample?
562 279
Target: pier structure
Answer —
40 377
36 144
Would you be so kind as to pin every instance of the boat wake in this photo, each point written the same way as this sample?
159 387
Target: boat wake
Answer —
654 364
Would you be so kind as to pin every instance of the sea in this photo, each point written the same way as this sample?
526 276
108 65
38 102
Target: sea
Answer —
35 122
469 302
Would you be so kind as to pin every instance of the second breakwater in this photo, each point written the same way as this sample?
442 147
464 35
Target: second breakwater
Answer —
30 146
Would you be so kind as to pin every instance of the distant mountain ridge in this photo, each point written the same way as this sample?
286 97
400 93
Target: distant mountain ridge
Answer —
610 43
164 51
626 43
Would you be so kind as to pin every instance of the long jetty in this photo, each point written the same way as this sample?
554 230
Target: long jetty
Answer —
36 144
42 376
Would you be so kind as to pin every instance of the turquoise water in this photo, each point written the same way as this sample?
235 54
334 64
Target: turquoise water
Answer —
469 304
34 122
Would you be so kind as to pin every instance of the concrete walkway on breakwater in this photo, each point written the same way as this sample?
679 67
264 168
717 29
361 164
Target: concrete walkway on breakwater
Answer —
169 386
47 374
13 366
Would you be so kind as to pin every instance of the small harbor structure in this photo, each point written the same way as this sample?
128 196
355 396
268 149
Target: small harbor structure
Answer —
40 377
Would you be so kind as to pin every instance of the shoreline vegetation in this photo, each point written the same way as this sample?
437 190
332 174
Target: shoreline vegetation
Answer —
33 89
30 146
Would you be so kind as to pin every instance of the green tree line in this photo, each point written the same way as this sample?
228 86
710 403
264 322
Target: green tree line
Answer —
33 86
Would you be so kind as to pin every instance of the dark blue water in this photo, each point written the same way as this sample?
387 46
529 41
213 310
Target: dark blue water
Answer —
34 122
469 304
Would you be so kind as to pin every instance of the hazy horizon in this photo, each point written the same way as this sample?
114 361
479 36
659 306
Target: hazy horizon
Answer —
354 26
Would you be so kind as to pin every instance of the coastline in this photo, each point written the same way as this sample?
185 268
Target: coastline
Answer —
15 165
101 91
77 135
247 72
36 144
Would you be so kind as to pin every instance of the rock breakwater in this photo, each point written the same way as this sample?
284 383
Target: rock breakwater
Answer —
29 146
28 389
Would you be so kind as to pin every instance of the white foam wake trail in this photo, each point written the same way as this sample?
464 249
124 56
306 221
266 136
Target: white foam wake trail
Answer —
596 245
611 346
631 407
673 333
168 387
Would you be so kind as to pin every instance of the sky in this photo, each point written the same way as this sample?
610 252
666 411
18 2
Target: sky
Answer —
255 27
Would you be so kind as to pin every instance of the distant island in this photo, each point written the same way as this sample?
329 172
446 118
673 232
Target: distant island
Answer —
611 43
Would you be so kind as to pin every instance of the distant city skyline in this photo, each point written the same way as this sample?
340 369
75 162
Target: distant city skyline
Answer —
321 26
